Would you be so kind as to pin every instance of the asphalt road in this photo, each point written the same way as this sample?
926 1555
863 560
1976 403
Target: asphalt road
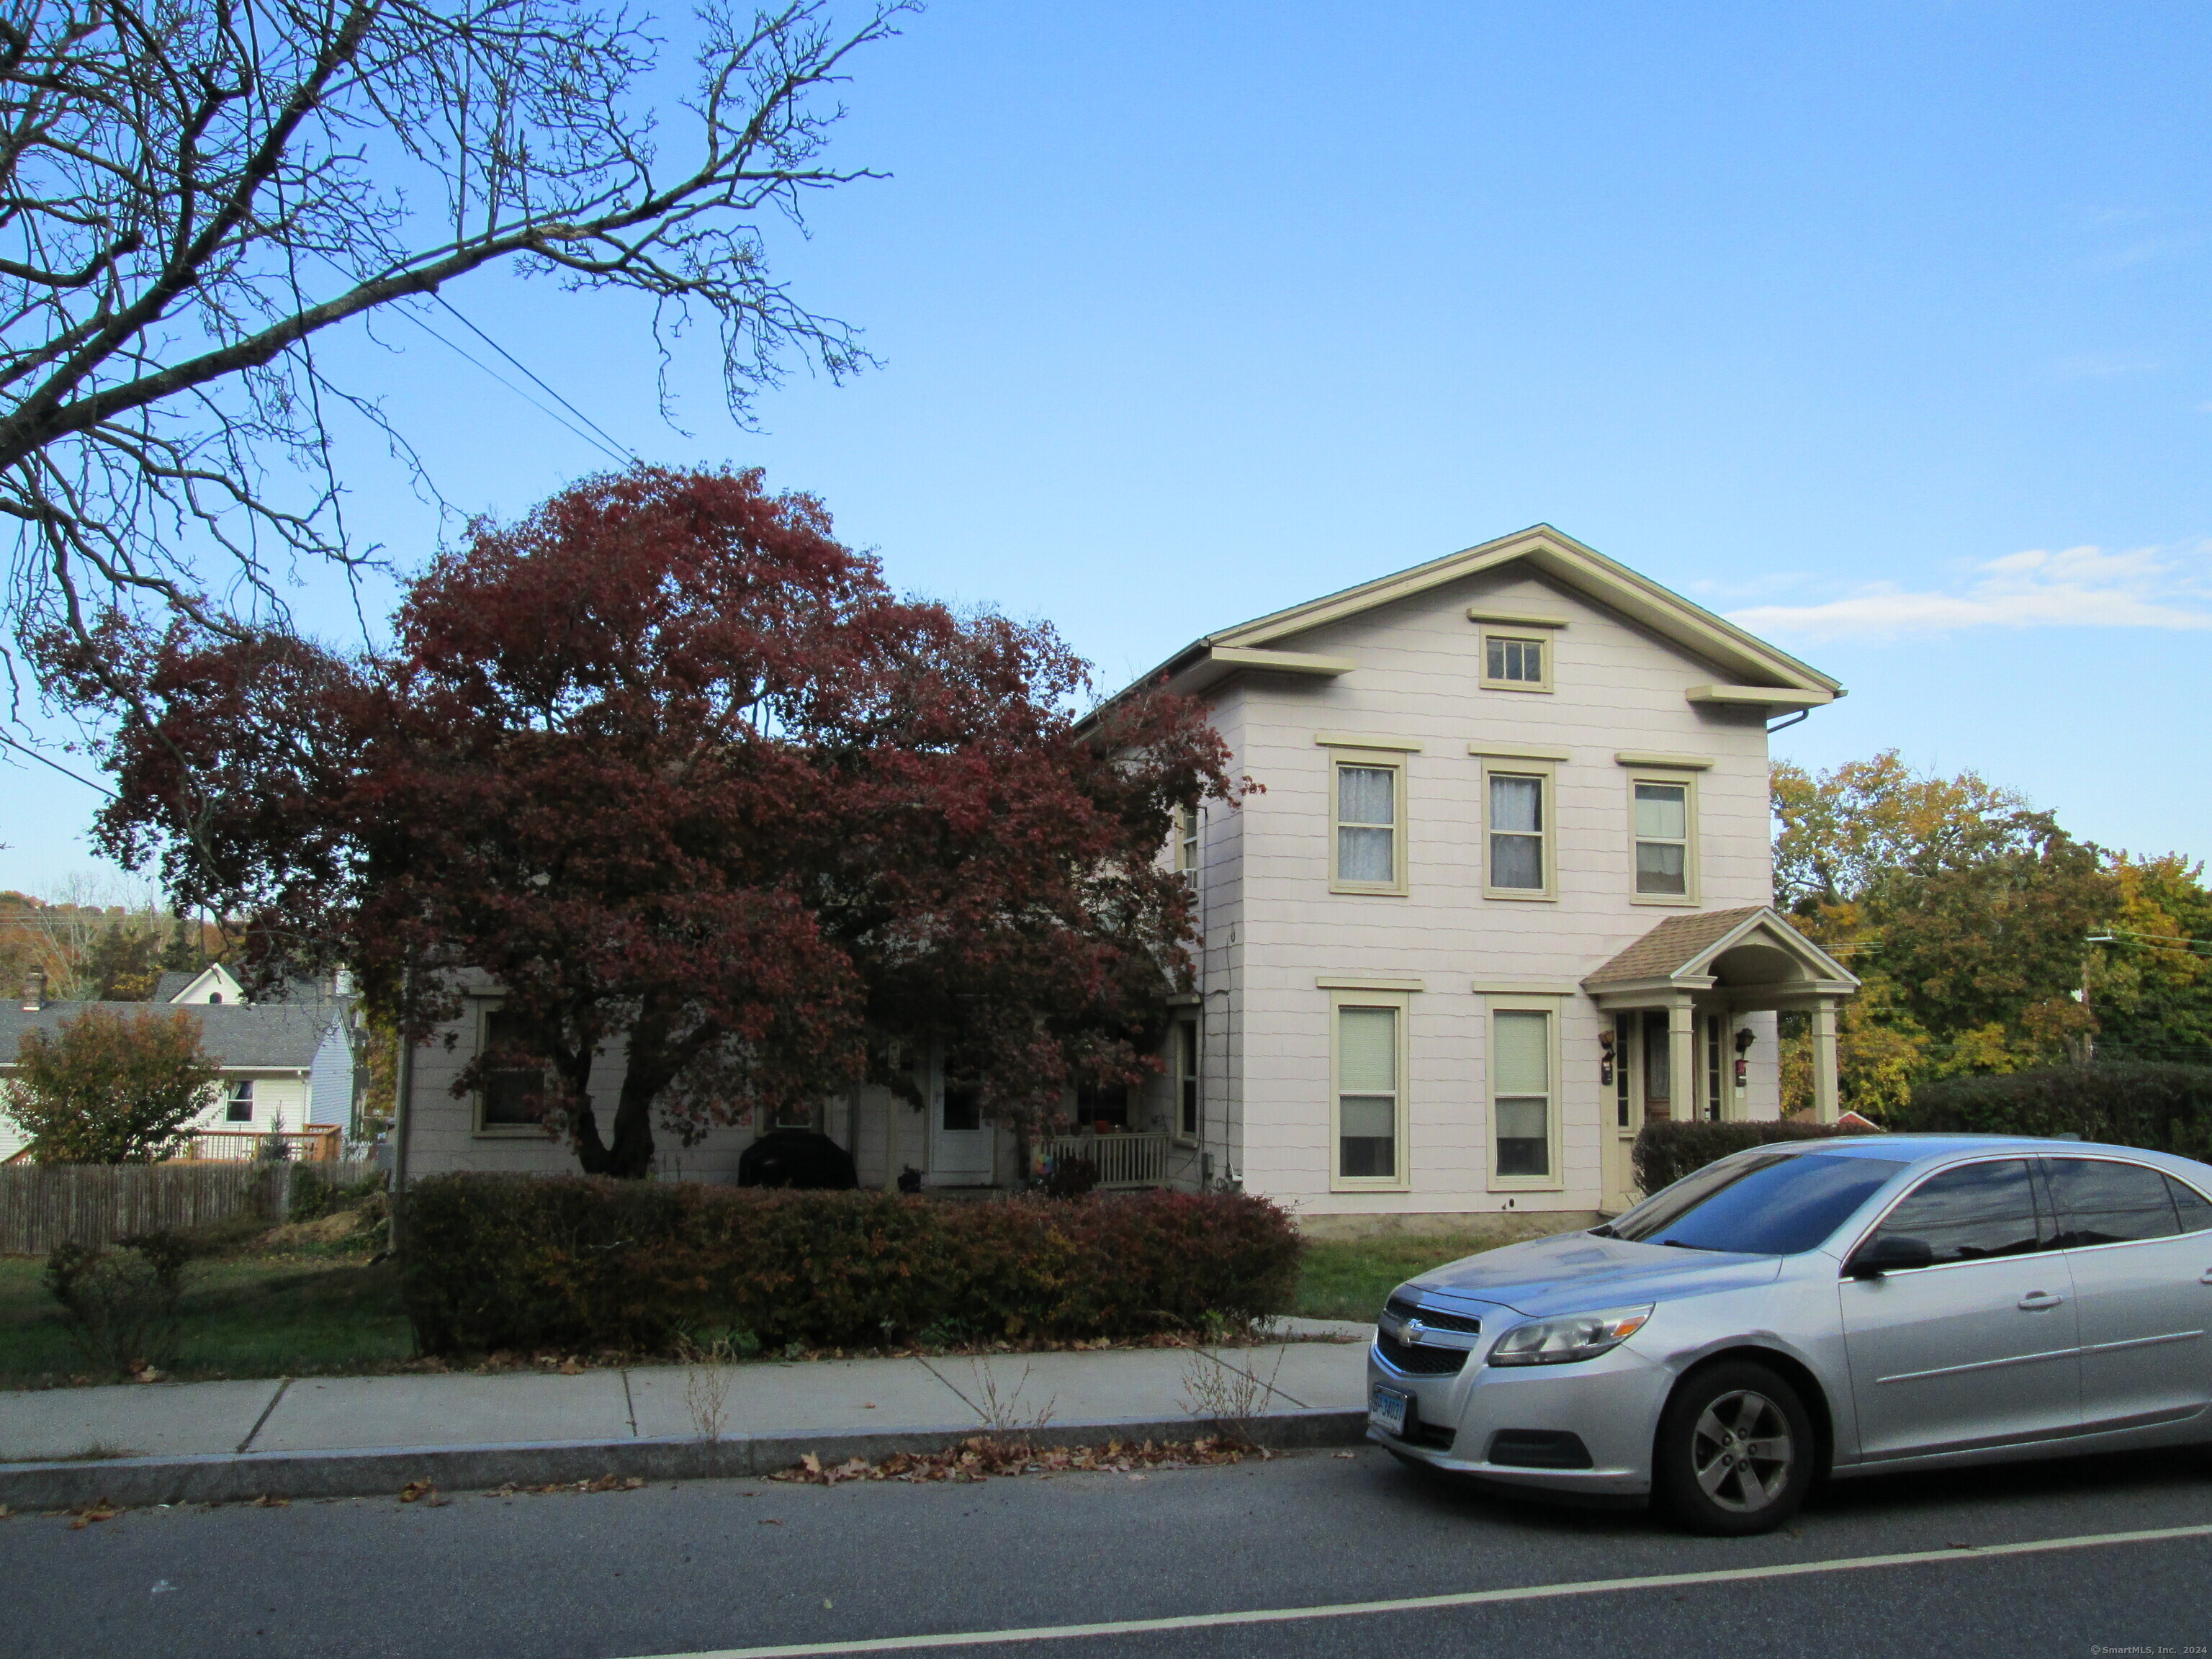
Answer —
713 1567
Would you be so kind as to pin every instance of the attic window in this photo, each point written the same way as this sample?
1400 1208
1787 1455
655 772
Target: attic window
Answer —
1516 662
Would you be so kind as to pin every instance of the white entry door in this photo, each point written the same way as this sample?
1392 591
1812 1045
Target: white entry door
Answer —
959 1140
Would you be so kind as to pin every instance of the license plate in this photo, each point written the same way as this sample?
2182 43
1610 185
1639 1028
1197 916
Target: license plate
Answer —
1386 1410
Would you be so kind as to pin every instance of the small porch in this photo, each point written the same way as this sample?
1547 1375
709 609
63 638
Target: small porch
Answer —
1126 1160
1678 1044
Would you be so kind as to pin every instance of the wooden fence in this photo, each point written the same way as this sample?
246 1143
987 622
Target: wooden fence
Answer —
43 1205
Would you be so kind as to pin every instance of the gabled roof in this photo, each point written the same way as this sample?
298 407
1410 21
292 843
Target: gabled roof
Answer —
247 1036
1685 948
1757 667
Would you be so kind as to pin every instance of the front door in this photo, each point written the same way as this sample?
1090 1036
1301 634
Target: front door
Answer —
1658 1059
960 1142
1980 1349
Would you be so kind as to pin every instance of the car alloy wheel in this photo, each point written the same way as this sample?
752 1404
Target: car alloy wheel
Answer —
1734 1453
1741 1451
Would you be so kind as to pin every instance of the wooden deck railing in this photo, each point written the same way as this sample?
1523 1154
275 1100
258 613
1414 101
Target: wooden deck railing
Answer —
1122 1161
319 1142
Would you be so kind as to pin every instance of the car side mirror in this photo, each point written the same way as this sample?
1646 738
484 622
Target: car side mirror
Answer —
1889 1253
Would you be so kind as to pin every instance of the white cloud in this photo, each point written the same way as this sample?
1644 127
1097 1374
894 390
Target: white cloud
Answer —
2077 588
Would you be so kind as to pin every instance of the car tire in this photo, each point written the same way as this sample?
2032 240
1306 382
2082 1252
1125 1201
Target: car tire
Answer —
1734 1454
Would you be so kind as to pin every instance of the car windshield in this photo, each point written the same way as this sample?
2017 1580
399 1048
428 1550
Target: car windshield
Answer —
1765 1204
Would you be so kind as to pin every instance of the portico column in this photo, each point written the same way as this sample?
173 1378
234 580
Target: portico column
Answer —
1682 1061
1825 1101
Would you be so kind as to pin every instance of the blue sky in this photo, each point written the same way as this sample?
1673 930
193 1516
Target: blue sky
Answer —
1882 328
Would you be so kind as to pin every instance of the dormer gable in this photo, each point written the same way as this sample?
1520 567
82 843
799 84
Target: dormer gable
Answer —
213 983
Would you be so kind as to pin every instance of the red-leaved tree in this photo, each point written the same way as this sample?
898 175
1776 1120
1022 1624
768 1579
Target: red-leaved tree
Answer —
712 807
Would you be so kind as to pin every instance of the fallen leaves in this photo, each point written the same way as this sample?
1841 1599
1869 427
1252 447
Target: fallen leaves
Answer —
265 1502
981 1456
423 1492
604 1483
99 1510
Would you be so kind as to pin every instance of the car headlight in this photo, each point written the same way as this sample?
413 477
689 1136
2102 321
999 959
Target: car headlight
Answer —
1564 1341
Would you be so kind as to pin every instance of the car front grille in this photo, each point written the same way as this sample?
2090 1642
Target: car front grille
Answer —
1433 1318
1421 1361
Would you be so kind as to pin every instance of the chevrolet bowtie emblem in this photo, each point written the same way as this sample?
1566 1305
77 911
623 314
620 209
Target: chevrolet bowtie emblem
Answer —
1415 1330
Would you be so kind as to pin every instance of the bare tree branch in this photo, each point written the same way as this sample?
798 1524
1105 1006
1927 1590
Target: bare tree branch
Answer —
191 190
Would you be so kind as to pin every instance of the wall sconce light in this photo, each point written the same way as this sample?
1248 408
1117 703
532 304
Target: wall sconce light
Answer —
1744 1039
1605 1058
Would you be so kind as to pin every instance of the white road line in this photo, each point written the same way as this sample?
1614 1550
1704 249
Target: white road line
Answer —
1426 1603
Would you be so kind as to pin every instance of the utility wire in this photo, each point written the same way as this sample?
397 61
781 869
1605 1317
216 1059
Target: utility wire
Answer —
620 457
56 766
611 438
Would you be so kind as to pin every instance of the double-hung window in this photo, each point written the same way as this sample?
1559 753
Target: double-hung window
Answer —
1186 843
1369 1045
237 1103
1524 1093
1367 852
1663 832
1519 856
1186 1054
511 1095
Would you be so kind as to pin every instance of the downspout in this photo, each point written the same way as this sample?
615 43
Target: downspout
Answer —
403 1120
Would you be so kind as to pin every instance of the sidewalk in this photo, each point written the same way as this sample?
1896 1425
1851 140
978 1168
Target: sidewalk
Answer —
342 1436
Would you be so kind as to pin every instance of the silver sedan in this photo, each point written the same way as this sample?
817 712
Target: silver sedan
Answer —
1850 1306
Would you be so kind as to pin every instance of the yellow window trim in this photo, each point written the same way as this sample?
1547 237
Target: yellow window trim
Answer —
1659 758
1484 613
1691 851
1515 631
1402 1159
1367 740
1523 1004
1534 751
1372 760
1514 767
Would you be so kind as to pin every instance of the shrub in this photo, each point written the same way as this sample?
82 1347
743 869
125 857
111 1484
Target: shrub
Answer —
572 1262
102 1089
120 1305
1665 1153
2167 1109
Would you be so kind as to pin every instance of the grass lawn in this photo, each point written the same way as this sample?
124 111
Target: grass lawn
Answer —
293 1316
1348 1278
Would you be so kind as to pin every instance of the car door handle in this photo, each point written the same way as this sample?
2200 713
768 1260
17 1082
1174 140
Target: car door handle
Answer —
2037 1300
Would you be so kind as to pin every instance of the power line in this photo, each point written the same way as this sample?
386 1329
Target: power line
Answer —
472 327
618 456
56 766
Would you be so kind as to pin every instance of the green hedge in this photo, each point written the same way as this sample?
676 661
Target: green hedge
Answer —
1665 1153
2167 1109
523 1262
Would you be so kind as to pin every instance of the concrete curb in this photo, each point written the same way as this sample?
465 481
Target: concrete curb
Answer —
382 1470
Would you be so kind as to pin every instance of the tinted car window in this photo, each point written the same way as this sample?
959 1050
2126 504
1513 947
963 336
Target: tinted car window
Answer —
1969 1213
2102 1202
2192 1206
1771 1204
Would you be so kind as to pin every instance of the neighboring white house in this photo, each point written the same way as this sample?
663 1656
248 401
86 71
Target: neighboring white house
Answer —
287 1065
1504 897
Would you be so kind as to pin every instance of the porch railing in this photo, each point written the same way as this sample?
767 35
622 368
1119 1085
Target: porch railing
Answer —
1122 1161
319 1142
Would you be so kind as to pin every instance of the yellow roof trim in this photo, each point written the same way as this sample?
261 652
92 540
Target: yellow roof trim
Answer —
1584 569
1766 696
